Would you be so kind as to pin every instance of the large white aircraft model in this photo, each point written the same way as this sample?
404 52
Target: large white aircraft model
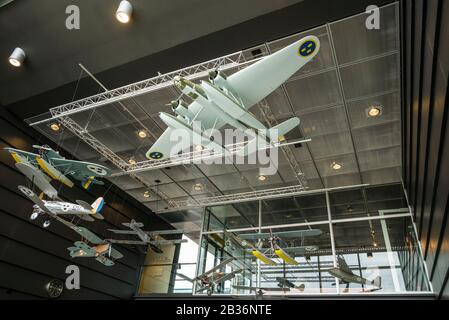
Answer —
226 100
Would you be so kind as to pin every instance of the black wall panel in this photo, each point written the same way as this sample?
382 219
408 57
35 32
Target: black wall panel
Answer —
31 256
426 133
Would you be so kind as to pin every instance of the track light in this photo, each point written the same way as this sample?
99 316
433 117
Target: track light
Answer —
124 11
17 57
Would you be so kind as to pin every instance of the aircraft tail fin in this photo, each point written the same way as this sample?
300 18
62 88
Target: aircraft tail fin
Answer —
97 205
277 133
377 282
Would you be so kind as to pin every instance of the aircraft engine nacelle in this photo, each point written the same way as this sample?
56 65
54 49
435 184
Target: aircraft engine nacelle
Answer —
219 79
181 108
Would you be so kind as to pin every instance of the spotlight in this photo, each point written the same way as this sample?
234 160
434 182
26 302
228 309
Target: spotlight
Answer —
146 194
375 244
199 147
17 57
132 161
374 110
198 187
262 178
54 127
336 165
124 11
142 134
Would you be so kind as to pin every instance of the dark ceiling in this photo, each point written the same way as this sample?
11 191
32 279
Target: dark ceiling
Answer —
163 36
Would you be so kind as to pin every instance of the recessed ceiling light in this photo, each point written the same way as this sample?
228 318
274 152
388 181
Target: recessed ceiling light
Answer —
55 127
146 194
124 11
132 161
375 244
336 165
198 187
17 57
374 110
199 147
262 178
142 134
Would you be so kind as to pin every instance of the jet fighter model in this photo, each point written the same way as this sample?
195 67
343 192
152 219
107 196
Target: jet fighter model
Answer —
226 100
345 274
56 167
274 240
210 279
149 238
82 209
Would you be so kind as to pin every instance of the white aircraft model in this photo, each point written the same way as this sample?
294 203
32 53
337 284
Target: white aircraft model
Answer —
82 209
226 100
146 237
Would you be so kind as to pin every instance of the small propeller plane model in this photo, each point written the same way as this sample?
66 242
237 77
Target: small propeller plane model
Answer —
226 100
150 238
346 276
274 241
284 285
49 164
81 209
210 279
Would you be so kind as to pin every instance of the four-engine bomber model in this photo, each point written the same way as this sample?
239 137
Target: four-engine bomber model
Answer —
226 100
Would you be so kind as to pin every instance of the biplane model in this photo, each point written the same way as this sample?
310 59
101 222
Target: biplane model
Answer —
284 285
151 238
81 209
92 246
213 277
226 100
346 276
40 168
265 246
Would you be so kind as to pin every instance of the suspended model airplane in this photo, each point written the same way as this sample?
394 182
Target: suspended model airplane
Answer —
284 285
274 240
226 100
345 274
210 279
56 167
82 209
92 246
146 237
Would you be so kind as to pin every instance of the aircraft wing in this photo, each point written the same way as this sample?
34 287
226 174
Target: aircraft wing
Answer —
123 231
258 80
164 232
80 168
342 265
299 233
218 266
226 276
261 288
28 155
33 197
156 242
81 249
88 235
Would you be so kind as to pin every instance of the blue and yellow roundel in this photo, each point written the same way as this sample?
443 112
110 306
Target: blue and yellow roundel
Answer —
307 48
156 155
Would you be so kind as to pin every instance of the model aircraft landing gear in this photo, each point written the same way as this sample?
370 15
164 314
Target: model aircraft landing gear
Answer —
210 290
46 223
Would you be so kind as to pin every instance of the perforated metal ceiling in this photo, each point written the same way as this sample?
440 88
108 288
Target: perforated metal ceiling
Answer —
355 69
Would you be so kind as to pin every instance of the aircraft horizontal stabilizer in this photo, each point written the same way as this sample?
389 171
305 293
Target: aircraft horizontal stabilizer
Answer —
276 133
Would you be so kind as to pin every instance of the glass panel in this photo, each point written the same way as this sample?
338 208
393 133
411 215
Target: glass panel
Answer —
378 256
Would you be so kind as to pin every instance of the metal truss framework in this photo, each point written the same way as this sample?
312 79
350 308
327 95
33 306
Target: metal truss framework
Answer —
135 89
265 194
